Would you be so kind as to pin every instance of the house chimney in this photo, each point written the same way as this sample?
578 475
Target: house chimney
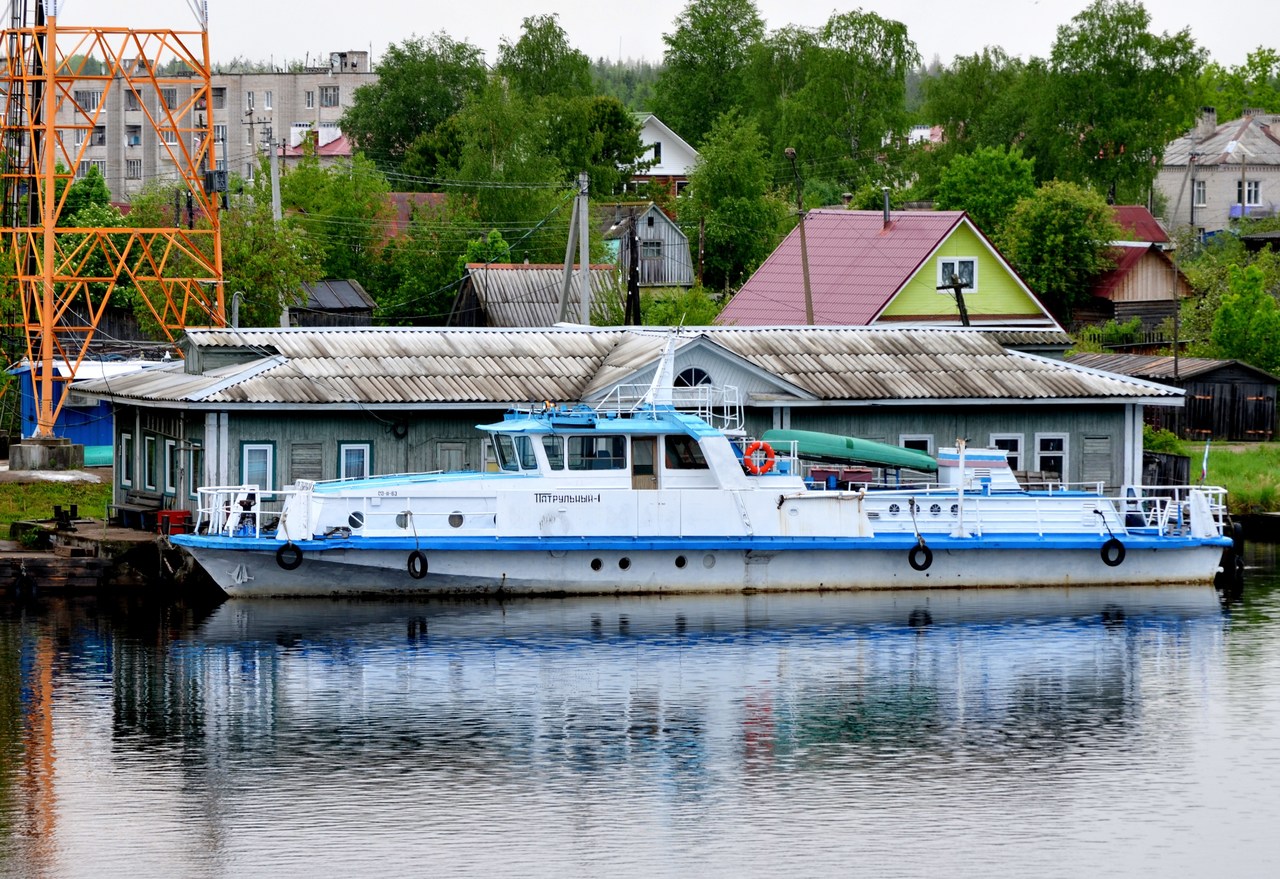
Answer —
847 198
1208 123
885 191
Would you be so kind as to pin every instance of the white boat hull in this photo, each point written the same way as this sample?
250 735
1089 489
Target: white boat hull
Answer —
243 572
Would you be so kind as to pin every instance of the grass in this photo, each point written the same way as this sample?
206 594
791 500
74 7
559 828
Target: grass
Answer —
1250 472
36 500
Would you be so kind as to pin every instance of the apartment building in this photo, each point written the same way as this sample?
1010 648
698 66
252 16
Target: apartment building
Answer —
249 111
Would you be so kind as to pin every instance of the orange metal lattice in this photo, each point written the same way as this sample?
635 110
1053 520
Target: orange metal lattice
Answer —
58 82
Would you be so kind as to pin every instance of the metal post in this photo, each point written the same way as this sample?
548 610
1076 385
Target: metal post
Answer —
790 153
584 253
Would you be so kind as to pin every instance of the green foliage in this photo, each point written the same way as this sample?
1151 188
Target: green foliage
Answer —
487 250
1254 85
1161 441
1117 95
97 261
421 82
89 191
1207 266
415 281
1059 240
987 183
542 64
266 261
631 81
695 307
729 197
1247 324
1097 339
596 135
343 208
702 74
24 501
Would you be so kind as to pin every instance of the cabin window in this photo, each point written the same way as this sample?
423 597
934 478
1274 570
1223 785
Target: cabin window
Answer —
524 449
920 442
683 453
1011 444
257 464
505 451
353 460
1051 454
553 448
126 460
964 268
597 453
149 463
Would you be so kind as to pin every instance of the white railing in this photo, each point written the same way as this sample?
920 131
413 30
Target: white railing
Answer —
718 406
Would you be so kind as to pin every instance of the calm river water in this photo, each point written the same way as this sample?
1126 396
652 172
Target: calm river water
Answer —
1016 733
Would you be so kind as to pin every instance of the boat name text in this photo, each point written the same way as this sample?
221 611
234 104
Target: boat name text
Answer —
544 497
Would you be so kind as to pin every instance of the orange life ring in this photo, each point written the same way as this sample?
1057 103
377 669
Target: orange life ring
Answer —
749 461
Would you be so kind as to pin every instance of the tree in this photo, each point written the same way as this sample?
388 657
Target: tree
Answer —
695 307
342 207
421 83
852 99
594 134
1059 240
1247 325
1117 94
89 191
702 75
542 64
987 183
729 200
1253 85
265 261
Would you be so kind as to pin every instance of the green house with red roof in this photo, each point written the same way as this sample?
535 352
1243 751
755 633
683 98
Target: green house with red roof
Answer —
873 268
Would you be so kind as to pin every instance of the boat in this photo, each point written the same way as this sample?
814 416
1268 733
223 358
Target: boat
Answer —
659 490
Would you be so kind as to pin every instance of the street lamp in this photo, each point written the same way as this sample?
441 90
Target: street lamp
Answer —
790 153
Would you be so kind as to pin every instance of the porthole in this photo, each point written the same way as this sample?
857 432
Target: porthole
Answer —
596 564
708 561
955 509
894 509
402 519
681 561
624 563
356 520
455 519
935 509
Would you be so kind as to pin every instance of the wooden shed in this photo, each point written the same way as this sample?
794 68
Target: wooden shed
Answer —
664 256
1225 399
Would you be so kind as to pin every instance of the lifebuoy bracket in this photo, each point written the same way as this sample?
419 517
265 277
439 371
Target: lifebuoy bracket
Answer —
1112 552
920 557
417 564
289 556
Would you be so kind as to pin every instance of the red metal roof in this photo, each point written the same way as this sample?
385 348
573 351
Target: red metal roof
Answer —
1127 258
1138 224
856 265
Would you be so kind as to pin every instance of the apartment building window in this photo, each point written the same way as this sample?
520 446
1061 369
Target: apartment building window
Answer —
248 100
266 134
133 135
88 99
219 99
311 99
99 136
132 101
221 163
133 169
169 136
82 170
170 98
1251 190
266 100
219 134
328 96
1199 193
80 136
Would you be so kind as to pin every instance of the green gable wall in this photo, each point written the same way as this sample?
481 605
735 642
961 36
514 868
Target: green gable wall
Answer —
999 293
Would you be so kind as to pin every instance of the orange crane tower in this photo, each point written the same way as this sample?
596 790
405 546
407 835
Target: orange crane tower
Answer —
57 83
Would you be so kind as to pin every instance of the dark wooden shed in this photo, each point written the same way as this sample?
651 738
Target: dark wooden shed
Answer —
334 303
1225 399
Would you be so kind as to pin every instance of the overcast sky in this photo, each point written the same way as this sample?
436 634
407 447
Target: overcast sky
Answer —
283 31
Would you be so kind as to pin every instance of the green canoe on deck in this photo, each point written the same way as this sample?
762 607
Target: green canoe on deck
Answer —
832 448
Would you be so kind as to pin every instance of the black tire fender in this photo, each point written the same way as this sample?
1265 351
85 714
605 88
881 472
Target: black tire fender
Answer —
1113 552
920 557
417 564
289 556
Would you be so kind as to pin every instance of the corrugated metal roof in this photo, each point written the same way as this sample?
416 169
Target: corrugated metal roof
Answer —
1138 224
1159 368
857 265
338 295
522 295
1256 137
409 367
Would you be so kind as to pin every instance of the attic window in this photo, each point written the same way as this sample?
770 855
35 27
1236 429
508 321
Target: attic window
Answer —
692 377
657 152
965 268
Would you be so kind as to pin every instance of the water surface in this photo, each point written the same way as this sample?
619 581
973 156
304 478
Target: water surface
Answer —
1092 732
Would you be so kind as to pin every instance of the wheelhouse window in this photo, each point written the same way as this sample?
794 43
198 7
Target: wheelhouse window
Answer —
515 452
597 453
257 464
683 453
553 448
353 460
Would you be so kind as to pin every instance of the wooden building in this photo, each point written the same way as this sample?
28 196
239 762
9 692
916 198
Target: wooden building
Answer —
1225 399
664 259
271 406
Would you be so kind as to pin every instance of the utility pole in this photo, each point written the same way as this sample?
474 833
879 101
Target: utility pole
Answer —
956 286
276 216
790 153
577 235
632 310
